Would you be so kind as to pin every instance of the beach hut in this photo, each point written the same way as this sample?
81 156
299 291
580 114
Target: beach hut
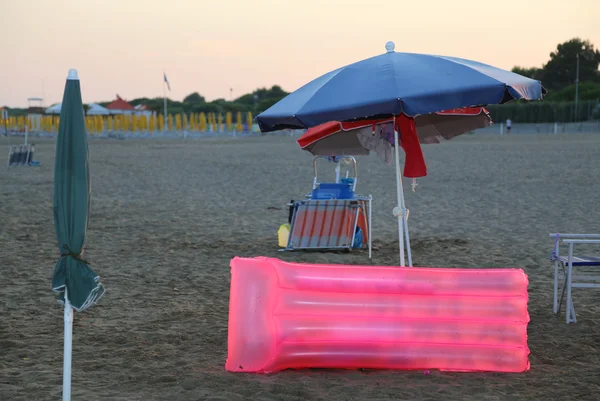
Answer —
120 106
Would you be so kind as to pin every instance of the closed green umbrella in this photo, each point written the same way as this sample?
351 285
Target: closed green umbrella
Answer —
78 286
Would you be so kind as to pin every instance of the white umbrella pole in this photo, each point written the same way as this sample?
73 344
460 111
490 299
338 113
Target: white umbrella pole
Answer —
399 210
68 348
408 253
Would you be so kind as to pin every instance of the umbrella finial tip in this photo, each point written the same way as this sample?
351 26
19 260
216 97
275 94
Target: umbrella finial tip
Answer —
73 74
390 46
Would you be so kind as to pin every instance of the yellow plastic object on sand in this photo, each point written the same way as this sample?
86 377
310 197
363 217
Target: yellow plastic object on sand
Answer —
283 234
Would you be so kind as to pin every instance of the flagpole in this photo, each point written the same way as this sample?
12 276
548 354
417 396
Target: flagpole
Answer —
577 89
165 101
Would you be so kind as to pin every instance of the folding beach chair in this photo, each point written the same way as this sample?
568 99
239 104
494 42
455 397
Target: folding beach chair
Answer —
328 223
332 216
21 155
588 265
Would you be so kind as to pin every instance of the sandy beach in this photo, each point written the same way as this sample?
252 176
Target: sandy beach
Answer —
168 215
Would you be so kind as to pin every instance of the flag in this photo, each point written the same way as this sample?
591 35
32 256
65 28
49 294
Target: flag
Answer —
167 81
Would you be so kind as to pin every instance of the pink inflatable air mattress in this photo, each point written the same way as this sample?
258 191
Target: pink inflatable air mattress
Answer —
293 315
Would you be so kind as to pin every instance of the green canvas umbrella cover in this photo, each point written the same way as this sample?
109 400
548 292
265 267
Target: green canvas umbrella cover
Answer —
72 194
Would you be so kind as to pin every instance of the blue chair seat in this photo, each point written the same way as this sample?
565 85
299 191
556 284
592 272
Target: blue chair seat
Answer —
581 260
333 190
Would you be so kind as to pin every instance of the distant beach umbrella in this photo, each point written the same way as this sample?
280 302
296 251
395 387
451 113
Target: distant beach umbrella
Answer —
186 122
239 126
152 123
193 122
202 122
178 122
249 121
228 121
88 125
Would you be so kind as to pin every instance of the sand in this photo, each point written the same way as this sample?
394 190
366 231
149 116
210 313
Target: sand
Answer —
168 215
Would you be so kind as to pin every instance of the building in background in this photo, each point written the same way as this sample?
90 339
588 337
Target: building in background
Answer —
143 110
93 109
120 106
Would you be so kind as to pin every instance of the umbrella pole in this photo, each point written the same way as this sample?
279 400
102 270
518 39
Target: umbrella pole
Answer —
408 253
68 348
399 210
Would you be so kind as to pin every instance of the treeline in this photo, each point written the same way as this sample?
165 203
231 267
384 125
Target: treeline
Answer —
565 102
558 75
255 102
545 112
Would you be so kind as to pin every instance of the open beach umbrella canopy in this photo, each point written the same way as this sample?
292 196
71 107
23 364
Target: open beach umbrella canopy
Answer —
77 285
403 87
397 83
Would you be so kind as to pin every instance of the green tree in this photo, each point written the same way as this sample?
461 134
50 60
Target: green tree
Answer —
560 71
246 100
261 99
205 108
264 104
194 98
140 100
588 91
531 72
